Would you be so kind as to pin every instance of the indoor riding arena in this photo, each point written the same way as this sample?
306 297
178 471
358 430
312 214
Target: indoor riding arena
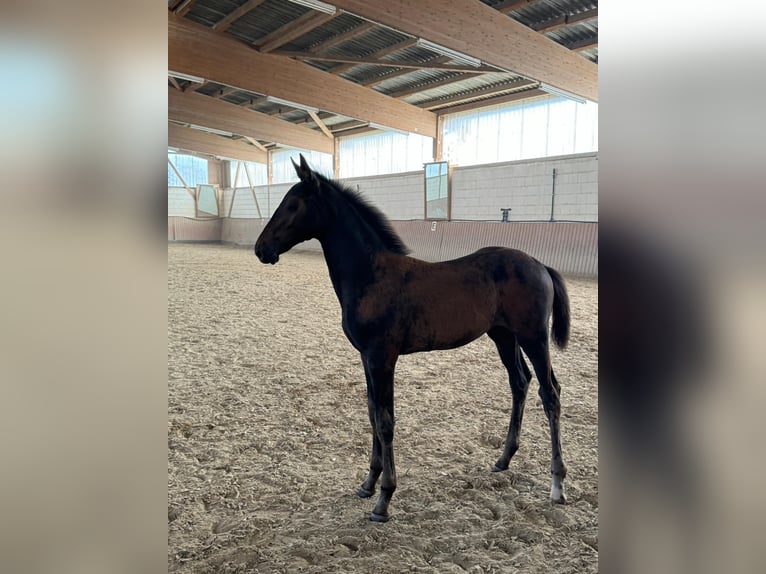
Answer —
428 113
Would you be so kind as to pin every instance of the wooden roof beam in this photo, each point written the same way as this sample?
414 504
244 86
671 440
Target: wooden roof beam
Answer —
320 124
205 111
185 138
342 38
256 143
236 14
197 50
292 30
183 7
565 20
427 65
224 92
503 42
429 86
408 43
513 5
372 82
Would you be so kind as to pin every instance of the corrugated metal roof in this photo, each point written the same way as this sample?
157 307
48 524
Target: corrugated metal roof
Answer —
265 19
466 87
368 43
210 11
414 79
271 15
334 27
539 12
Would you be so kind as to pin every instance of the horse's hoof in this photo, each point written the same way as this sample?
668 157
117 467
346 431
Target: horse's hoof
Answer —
364 493
375 517
496 468
560 500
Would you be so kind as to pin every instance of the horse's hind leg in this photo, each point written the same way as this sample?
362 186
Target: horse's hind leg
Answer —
538 352
376 463
518 377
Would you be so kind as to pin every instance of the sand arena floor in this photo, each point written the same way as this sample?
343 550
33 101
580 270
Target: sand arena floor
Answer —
268 436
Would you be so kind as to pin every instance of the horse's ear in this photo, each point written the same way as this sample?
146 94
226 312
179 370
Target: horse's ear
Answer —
305 173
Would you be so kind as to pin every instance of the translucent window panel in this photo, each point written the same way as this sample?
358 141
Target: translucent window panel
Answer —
586 135
562 118
535 139
258 173
383 153
282 166
542 127
192 168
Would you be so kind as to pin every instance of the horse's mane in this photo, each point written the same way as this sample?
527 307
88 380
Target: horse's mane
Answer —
371 215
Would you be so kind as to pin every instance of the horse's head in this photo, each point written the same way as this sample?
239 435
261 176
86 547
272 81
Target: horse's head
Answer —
296 219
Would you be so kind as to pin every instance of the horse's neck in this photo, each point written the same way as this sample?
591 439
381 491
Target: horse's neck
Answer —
349 246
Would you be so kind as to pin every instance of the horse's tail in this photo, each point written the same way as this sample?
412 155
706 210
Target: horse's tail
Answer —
560 329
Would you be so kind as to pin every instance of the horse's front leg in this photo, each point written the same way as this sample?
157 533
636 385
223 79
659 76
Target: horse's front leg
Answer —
376 462
380 368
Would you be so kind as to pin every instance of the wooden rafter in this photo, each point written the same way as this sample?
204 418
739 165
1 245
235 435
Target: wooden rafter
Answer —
183 7
292 30
256 143
320 124
513 5
235 15
372 82
502 41
205 111
341 38
252 101
195 49
428 65
224 92
192 86
403 93
352 124
565 20
467 96
378 54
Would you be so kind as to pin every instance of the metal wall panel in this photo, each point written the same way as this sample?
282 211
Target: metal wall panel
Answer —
571 248
188 229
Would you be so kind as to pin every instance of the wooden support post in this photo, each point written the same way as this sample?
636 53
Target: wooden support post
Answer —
439 139
336 159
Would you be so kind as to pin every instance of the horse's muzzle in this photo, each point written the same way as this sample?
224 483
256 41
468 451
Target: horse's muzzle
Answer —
266 254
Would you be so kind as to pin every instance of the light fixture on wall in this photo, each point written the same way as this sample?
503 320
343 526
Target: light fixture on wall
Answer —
316 5
563 93
296 105
454 54
387 129
187 77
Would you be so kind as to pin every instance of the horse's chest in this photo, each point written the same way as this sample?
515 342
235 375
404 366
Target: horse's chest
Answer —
365 330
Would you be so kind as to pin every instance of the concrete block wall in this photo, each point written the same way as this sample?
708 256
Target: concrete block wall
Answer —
399 196
180 202
479 192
